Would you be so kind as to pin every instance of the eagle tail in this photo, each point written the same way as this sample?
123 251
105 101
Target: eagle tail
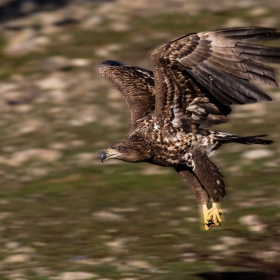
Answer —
248 140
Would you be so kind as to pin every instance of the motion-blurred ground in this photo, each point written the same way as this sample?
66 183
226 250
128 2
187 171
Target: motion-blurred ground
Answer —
66 216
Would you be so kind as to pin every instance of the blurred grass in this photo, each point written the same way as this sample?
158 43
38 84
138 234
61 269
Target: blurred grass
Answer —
155 30
54 215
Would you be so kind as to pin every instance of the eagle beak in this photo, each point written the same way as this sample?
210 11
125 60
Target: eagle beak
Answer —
109 153
103 156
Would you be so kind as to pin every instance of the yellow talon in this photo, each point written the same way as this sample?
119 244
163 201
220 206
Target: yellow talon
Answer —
205 212
211 216
215 214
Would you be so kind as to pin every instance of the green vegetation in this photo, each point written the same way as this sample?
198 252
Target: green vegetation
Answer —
129 221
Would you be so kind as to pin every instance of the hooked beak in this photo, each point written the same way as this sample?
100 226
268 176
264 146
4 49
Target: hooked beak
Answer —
103 156
109 153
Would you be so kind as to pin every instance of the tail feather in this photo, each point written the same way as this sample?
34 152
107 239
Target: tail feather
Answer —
248 140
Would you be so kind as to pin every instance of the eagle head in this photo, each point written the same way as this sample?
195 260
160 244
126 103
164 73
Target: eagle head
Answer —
129 151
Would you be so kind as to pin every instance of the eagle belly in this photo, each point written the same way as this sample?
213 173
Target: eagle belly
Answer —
173 146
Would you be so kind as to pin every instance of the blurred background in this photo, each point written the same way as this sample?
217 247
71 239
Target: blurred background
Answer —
66 216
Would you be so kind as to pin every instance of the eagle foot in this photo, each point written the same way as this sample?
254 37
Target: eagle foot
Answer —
212 216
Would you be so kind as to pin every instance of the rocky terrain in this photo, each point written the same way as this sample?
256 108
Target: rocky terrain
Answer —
64 216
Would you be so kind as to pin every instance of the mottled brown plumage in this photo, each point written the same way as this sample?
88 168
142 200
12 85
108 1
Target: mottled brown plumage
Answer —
194 81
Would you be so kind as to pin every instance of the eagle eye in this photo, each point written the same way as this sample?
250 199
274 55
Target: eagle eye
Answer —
118 148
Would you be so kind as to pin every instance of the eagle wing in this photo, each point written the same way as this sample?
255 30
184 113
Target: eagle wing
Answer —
198 76
135 84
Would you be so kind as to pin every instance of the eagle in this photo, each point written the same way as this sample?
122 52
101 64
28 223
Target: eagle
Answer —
193 83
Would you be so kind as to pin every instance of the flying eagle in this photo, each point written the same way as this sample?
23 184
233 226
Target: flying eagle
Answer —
194 81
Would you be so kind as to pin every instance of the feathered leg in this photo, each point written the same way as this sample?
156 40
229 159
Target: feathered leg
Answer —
191 180
212 182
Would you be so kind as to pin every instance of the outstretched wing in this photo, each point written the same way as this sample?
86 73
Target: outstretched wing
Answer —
198 76
136 85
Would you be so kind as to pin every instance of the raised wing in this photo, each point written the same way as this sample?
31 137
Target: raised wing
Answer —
198 76
136 85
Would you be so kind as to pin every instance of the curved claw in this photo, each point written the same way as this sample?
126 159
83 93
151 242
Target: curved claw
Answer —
211 216
215 214
206 221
